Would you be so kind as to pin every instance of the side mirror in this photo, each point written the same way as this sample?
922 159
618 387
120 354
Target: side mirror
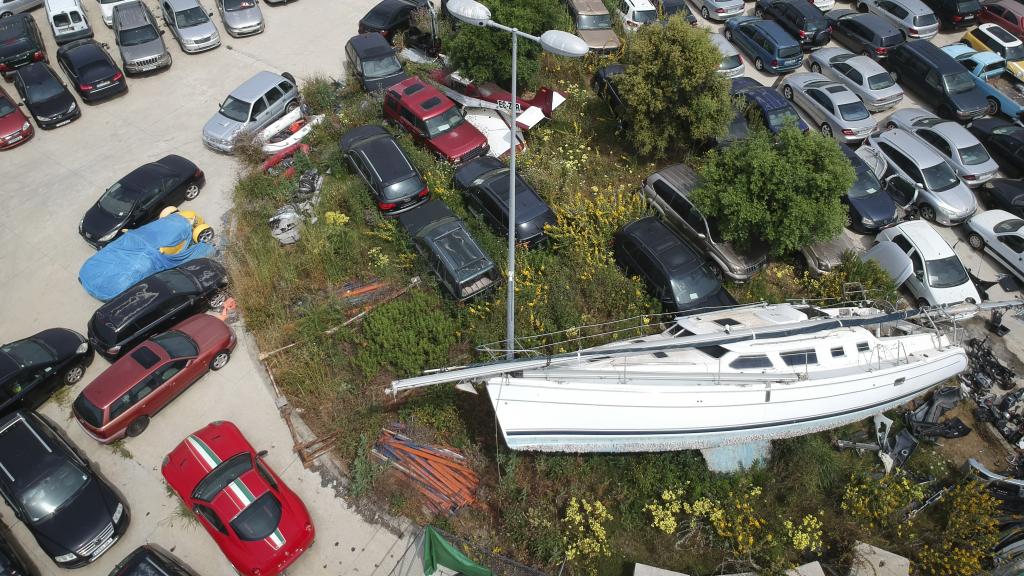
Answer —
262 453
210 13
162 31
702 236
919 185
893 76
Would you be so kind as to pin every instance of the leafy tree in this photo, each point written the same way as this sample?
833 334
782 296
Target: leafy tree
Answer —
785 193
485 54
675 95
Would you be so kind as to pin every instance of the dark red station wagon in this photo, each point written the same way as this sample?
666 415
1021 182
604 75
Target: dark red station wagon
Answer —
434 120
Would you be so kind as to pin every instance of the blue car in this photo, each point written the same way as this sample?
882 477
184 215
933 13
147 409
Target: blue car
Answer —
767 44
774 110
1002 90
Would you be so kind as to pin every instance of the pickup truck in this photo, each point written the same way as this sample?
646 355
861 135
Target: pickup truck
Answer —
1004 92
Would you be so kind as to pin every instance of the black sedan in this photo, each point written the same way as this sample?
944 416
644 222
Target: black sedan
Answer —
46 97
389 17
91 70
395 183
1004 194
33 368
484 182
1004 141
870 207
139 197
155 304
680 278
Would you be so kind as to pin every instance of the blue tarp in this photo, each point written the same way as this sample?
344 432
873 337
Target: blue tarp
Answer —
136 255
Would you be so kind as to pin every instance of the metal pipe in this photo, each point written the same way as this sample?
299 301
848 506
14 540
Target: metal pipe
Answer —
510 310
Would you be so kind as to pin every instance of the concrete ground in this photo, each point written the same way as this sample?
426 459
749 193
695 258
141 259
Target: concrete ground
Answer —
48 183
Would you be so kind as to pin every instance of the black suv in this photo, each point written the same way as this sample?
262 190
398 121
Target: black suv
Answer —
373 62
451 252
484 183
20 43
155 304
151 560
374 154
390 17
139 198
924 68
673 271
801 19
955 14
603 84
33 368
45 96
867 34
73 513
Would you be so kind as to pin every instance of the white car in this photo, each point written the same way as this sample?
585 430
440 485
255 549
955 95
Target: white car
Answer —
868 80
958 147
107 10
1000 235
939 276
636 13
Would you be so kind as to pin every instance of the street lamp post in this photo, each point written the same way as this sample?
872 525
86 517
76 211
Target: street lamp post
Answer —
557 42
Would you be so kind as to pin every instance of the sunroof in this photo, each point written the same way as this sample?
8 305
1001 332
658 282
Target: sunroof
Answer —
413 89
430 103
145 357
835 89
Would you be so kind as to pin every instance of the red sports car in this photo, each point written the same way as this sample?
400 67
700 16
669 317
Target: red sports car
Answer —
259 524
123 398
14 126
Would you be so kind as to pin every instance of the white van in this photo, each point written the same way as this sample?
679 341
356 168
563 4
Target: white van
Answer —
67 20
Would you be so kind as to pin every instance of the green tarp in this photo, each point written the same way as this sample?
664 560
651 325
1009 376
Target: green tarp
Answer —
439 552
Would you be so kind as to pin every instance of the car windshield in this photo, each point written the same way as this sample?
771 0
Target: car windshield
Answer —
86 410
381 67
880 81
177 281
235 5
1015 52
259 520
11 45
695 286
225 473
1009 130
403 189
27 353
42 88
940 177
778 118
739 129
968 6
444 122
853 111
645 16
1007 226
730 62
6 107
975 154
235 109
958 83
925 20
946 272
594 22
48 493
136 36
194 16
866 185
118 200
789 52
176 344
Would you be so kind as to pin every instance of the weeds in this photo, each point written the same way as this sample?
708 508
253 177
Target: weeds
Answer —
118 447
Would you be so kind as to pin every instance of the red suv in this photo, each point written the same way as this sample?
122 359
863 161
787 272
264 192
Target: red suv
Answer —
433 120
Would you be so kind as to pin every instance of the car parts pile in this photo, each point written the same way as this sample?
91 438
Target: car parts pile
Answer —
1005 412
439 474
1008 553
284 224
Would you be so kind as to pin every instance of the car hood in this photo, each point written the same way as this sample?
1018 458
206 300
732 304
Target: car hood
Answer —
150 49
56 105
204 30
79 522
460 140
11 122
599 39
97 222
969 101
380 84
955 294
243 18
959 198
220 127
879 207
63 341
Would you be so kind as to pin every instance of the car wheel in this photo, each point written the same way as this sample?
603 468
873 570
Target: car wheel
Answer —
975 240
922 303
993 106
927 212
759 64
862 8
815 67
206 236
74 374
291 106
826 129
217 299
6 15
220 360
707 16
787 91
866 53
288 76
890 125
758 12
138 426
192 192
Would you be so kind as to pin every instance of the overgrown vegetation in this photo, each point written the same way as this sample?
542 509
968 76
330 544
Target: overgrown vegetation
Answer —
593 510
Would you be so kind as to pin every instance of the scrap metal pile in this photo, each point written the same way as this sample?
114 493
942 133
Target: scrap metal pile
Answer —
1008 553
284 224
985 375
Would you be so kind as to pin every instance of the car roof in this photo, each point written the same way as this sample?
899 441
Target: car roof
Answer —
14 27
874 22
837 93
680 177
766 98
943 62
155 563
83 51
806 9
24 451
35 71
952 131
128 305
723 45
423 99
589 7
131 14
998 33
642 4
124 373
179 5
257 86
858 163
671 251
915 7
916 150
386 158
1014 7
925 239
370 44
775 31
433 211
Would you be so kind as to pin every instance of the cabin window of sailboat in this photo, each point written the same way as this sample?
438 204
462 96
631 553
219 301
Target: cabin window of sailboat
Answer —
799 357
838 352
751 361
863 347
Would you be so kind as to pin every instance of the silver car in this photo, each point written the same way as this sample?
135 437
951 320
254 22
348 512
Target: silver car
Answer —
1001 235
138 39
190 23
252 106
912 17
917 176
241 17
732 63
957 146
720 10
12 7
834 108
866 77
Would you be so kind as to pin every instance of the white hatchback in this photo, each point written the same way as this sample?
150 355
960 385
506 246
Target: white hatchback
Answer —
939 276
1000 235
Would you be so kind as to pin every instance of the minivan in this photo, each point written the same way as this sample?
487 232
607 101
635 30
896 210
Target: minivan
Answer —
138 39
68 20
11 7
912 17
955 14
594 25
259 101
771 48
921 66
801 19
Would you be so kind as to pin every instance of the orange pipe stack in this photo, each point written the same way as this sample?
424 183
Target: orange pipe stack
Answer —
439 474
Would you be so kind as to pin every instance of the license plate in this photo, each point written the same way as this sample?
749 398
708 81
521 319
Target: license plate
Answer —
14 139
103 547
102 84
59 124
